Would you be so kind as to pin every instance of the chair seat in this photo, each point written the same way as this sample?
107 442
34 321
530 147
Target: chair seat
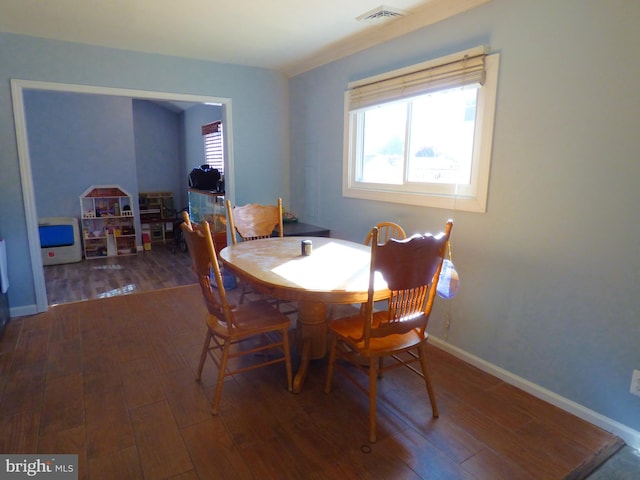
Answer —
350 328
253 318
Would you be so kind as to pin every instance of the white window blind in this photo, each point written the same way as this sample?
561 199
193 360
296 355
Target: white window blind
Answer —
213 146
425 78
422 135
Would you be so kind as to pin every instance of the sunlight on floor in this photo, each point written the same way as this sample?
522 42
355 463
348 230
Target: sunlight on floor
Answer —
127 289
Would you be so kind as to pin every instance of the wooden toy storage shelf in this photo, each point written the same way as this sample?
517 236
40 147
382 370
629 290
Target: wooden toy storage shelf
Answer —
157 215
108 227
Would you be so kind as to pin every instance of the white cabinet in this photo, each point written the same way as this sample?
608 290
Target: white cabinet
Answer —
108 227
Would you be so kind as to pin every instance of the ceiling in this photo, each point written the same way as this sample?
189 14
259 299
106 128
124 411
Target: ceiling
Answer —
291 36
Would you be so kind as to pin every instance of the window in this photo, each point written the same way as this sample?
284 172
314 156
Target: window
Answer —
213 146
422 135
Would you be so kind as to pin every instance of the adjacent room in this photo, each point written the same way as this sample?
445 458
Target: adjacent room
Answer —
156 141
516 120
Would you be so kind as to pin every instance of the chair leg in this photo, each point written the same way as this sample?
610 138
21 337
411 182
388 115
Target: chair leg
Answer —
287 359
203 355
332 359
223 368
427 380
373 380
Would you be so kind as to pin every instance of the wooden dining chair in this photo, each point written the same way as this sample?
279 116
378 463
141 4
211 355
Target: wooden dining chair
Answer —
228 324
252 222
411 269
386 231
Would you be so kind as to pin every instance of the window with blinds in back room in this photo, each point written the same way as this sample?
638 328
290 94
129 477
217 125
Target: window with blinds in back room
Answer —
213 145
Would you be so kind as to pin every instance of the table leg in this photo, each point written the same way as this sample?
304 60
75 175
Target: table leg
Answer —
312 336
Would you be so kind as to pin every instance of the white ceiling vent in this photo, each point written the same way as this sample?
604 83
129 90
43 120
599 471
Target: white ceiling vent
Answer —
383 12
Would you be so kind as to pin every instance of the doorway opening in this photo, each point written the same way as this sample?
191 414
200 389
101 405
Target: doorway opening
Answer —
18 88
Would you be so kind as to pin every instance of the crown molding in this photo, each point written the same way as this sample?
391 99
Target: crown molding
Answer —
433 12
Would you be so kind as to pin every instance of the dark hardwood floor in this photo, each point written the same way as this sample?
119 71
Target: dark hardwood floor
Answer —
112 380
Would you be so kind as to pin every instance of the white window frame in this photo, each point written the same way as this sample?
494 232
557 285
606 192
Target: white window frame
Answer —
471 197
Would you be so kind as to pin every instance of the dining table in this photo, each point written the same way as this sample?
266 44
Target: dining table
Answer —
330 271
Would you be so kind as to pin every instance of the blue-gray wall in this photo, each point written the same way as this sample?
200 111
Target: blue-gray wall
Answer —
550 274
76 141
159 159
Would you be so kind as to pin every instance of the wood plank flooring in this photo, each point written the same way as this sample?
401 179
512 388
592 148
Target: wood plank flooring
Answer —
158 268
112 380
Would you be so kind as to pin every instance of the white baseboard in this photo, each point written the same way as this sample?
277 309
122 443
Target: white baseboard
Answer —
23 311
629 435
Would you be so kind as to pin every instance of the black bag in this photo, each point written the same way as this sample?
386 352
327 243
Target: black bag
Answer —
204 178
